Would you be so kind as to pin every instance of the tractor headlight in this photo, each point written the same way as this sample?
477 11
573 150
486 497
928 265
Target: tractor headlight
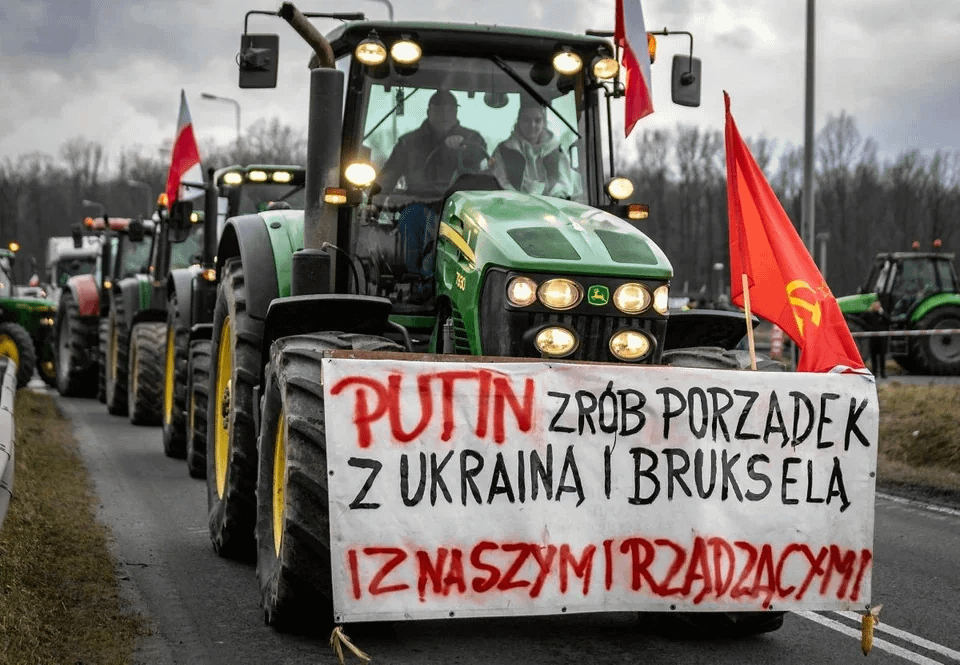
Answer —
560 293
257 176
360 174
631 298
522 291
619 188
567 62
281 176
556 342
46 321
661 299
371 51
232 178
605 68
406 51
630 345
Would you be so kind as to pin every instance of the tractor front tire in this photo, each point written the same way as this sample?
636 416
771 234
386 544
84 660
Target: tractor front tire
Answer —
293 515
198 391
939 354
76 336
175 383
103 334
15 343
145 385
231 435
717 624
117 356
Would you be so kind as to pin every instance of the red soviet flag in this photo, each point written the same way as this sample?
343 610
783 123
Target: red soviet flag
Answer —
786 288
185 156
630 34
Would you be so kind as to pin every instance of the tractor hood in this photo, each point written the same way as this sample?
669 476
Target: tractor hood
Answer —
537 233
20 304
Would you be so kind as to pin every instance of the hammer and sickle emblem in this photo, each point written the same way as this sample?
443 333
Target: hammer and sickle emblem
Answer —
799 303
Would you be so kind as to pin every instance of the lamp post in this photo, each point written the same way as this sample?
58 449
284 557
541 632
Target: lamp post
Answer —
236 104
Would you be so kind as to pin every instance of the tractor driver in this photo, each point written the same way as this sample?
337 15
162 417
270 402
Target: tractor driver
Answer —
424 163
424 160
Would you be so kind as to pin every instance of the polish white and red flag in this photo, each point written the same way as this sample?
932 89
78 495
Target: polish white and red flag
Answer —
630 34
184 156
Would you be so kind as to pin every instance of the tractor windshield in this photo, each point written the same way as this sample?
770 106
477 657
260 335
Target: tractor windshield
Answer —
69 267
188 252
6 284
516 121
134 257
253 198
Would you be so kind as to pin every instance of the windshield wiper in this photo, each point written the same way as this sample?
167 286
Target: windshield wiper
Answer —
512 73
390 113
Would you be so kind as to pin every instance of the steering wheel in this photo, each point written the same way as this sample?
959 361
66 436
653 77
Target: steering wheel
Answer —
433 165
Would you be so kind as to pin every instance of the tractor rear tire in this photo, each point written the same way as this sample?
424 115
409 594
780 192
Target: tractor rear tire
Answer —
15 343
103 335
117 357
939 354
175 383
145 386
76 336
295 577
717 624
231 434
198 390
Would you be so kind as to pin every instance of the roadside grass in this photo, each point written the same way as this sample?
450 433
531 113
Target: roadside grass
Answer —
919 436
59 596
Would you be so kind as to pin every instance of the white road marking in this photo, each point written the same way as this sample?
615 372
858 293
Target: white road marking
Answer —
883 645
908 637
932 507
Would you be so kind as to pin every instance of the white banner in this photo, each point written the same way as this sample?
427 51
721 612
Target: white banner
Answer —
518 488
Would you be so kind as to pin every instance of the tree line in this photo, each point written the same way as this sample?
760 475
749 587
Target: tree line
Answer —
864 204
42 196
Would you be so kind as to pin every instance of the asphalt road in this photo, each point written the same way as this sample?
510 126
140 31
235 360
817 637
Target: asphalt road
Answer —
204 610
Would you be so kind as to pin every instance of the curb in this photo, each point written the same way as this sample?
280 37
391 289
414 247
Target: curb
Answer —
7 391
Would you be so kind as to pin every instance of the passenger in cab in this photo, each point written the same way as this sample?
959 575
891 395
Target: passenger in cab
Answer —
531 159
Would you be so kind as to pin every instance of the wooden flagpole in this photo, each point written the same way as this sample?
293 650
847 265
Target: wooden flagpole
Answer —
746 312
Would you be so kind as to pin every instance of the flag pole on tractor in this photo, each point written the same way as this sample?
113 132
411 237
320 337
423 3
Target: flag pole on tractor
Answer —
771 267
184 156
630 34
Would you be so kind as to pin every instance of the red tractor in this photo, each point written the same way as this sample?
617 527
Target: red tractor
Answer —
83 310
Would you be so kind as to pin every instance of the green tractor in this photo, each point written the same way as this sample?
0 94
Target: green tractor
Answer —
458 263
26 328
915 291
138 322
192 291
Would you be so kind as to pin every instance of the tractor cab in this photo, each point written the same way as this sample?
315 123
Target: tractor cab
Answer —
903 280
511 112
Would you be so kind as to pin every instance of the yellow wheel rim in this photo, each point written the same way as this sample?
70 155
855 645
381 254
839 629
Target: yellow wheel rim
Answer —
279 475
8 349
168 378
114 351
223 405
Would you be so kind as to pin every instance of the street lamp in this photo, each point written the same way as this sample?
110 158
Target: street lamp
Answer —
95 204
236 104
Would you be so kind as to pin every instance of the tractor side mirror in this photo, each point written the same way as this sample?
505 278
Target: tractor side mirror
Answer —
135 231
76 231
181 218
258 60
685 81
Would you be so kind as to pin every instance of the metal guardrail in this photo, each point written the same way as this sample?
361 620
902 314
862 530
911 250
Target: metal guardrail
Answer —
8 388
907 333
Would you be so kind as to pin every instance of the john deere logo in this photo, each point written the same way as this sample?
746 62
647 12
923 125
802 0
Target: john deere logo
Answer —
598 295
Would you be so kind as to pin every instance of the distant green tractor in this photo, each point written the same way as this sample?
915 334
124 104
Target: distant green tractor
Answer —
26 325
916 291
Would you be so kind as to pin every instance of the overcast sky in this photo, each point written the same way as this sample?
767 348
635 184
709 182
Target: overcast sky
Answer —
111 70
